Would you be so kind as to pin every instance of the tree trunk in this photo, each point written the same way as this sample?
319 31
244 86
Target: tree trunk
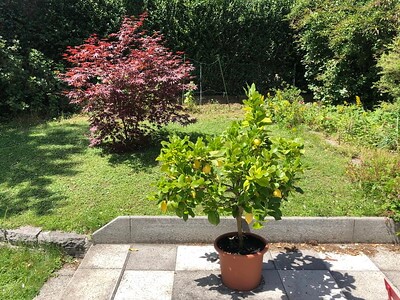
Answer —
239 227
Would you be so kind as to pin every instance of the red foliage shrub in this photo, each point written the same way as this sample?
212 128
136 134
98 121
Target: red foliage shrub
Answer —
128 83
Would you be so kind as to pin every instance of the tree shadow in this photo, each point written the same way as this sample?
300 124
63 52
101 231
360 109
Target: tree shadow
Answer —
306 275
291 274
145 154
31 155
214 283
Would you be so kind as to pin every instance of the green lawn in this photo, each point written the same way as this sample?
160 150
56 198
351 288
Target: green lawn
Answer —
23 271
50 178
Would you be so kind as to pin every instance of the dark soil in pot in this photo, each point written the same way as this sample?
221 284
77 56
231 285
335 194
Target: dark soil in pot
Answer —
230 244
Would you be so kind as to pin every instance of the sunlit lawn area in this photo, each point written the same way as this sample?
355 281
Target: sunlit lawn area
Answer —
24 270
50 178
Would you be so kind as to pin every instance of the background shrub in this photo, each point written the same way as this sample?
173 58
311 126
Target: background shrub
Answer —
28 83
128 83
33 36
389 63
341 42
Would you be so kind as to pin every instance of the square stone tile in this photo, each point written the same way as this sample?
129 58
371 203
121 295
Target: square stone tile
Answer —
346 262
394 278
268 261
361 284
152 257
105 256
145 285
207 285
386 260
310 284
197 258
299 260
92 284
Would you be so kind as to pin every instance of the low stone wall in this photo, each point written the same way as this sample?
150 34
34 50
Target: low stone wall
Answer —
73 244
164 229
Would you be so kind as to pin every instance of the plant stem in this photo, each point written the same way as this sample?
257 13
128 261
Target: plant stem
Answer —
239 227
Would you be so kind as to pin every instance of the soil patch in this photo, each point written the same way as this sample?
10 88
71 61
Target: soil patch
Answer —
230 244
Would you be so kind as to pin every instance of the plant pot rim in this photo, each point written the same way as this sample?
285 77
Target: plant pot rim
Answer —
233 233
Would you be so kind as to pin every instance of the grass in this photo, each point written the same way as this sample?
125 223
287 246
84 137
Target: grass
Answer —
50 178
23 271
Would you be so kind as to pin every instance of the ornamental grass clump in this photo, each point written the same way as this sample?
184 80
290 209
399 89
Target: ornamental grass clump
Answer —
244 172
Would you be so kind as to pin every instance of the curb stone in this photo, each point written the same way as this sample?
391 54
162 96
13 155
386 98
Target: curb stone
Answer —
73 244
165 229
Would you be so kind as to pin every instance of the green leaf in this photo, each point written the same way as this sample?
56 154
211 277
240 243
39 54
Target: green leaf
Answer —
257 225
213 217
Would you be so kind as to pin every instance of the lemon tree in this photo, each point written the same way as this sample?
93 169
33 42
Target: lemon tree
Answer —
243 172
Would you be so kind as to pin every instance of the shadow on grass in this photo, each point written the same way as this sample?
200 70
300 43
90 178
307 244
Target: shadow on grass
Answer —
145 155
30 156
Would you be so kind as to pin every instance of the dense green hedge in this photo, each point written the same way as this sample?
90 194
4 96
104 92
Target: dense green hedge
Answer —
252 40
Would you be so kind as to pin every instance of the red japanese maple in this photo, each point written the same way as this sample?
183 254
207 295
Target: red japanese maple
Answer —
128 83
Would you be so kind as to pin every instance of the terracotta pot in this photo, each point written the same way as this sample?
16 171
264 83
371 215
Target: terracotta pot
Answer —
241 272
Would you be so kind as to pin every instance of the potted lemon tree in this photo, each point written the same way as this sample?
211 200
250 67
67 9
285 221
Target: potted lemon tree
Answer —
245 173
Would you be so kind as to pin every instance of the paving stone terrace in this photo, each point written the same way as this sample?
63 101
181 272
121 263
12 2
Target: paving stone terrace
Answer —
166 271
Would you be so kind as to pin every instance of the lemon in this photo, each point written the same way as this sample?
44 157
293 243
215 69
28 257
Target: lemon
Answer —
164 206
248 217
256 142
196 164
277 193
207 169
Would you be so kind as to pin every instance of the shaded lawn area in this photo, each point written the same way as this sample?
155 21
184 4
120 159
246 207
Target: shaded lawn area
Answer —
50 178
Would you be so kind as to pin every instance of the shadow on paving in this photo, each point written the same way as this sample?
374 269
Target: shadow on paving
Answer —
300 277
30 156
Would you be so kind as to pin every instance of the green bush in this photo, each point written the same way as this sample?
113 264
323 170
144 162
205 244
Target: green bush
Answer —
28 83
390 70
34 35
341 41
349 122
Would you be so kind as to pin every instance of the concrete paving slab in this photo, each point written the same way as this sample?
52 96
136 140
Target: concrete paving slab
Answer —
394 278
346 262
202 285
386 260
56 284
197 258
54 287
152 257
268 261
310 284
361 284
146 285
92 284
298 260
106 256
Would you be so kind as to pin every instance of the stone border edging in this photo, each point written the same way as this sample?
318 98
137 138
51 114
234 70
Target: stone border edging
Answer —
162 229
73 244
